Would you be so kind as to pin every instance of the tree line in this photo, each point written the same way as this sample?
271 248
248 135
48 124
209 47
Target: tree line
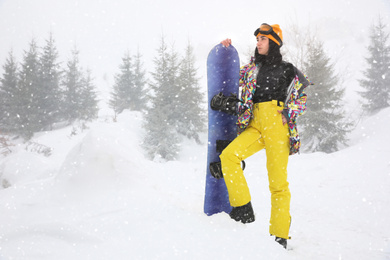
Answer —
325 125
171 99
39 93
177 103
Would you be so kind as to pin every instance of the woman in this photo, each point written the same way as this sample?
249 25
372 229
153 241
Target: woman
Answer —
272 98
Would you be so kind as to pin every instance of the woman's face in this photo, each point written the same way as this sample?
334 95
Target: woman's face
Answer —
262 45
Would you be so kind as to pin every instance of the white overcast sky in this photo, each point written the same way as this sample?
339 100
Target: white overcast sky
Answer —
104 29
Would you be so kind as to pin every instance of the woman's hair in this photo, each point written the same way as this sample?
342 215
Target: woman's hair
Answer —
273 57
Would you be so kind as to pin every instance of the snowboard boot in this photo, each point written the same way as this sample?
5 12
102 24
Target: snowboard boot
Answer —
281 241
243 213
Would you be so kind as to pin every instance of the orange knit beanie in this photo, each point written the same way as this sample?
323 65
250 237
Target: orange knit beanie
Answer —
275 28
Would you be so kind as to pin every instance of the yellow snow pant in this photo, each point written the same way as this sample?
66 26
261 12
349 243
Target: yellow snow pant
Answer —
266 130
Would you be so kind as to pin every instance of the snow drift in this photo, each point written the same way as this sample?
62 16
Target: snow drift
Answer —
97 197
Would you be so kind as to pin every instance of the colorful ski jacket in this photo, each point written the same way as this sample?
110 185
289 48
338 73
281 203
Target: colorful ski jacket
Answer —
294 105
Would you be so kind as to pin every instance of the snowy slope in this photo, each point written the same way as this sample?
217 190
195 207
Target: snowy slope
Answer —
97 197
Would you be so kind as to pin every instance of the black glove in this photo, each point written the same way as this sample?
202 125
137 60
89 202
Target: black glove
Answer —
225 104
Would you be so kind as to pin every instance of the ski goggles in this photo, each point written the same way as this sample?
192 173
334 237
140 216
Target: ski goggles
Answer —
266 29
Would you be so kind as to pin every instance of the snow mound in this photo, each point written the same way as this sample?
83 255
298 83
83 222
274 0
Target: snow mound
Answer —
104 153
373 129
97 197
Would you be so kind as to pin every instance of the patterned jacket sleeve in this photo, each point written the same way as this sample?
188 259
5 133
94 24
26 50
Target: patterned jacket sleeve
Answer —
296 98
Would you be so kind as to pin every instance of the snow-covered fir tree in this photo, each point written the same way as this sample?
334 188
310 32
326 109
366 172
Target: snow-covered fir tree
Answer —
50 83
79 97
123 89
139 82
128 90
9 106
376 82
173 98
72 86
161 138
31 94
192 118
88 99
324 127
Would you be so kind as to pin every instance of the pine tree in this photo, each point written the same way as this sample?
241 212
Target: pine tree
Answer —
124 83
50 80
377 76
324 127
125 93
8 93
139 82
192 116
129 88
174 88
79 97
88 99
31 94
73 85
161 138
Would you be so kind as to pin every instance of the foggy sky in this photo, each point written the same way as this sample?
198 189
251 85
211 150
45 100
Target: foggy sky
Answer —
103 30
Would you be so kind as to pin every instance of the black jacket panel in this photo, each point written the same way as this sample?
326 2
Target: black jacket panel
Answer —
273 81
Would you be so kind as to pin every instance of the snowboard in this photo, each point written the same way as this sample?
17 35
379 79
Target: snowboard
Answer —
223 69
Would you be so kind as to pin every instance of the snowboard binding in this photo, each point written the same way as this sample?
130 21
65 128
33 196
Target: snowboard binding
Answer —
216 169
220 102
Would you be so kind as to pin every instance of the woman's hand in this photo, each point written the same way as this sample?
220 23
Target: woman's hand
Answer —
226 42
284 120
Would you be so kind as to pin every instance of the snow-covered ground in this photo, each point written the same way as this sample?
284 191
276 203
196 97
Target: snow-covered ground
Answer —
98 197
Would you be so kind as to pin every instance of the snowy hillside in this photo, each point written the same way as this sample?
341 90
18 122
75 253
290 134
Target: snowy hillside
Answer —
97 197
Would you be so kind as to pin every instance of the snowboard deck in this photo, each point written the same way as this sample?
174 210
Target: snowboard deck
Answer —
223 67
